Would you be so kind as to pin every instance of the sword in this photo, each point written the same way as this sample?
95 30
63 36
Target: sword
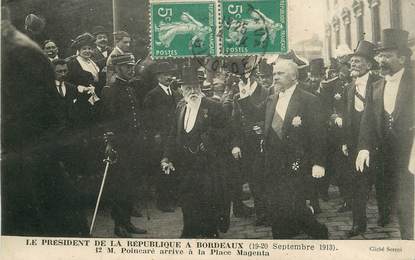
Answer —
99 194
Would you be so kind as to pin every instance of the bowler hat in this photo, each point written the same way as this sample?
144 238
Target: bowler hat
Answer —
365 49
34 23
99 30
82 40
395 39
317 67
126 58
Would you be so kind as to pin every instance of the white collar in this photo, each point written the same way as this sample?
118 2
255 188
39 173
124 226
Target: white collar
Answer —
194 104
164 87
119 50
289 91
362 80
395 77
57 82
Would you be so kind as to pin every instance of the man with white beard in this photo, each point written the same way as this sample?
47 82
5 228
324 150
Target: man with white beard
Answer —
192 150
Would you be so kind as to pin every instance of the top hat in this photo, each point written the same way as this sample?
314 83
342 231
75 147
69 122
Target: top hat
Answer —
365 49
164 66
317 67
99 30
82 40
395 39
34 23
189 76
126 58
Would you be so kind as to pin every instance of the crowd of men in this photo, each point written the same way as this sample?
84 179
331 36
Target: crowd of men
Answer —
200 136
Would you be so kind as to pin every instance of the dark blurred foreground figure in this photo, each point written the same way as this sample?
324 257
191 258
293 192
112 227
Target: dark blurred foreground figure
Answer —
123 118
38 196
387 132
193 151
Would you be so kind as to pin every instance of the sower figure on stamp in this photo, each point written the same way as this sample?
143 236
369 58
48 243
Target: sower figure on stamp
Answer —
191 148
248 135
123 117
294 150
359 94
388 130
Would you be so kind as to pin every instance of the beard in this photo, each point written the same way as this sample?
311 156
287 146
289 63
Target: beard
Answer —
192 99
385 69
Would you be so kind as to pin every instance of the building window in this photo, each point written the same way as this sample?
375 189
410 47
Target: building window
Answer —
346 23
358 14
374 9
336 29
395 13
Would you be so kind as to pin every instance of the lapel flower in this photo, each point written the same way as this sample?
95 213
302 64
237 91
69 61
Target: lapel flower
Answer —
296 121
337 96
295 166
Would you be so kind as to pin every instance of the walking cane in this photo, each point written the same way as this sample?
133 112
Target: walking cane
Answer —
99 194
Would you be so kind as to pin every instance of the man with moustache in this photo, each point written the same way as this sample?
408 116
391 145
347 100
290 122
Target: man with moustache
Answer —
387 132
122 45
192 151
102 51
358 95
248 136
159 106
294 149
123 120
51 50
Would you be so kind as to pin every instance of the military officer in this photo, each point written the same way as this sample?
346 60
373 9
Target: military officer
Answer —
123 118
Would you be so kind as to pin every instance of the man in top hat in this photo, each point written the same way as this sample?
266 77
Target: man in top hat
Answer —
122 45
294 151
159 106
192 151
316 75
123 117
248 136
387 132
347 117
102 51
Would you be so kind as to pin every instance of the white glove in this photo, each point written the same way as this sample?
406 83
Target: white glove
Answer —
339 122
362 160
317 171
236 152
167 166
345 150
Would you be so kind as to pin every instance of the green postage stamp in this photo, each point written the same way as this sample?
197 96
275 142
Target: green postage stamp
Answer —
197 28
252 27
183 29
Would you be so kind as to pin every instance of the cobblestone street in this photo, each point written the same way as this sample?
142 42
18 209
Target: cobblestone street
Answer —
169 225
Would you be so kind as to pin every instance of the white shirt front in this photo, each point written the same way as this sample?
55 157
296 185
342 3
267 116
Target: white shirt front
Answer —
90 66
104 53
283 101
360 83
391 90
191 113
166 89
63 87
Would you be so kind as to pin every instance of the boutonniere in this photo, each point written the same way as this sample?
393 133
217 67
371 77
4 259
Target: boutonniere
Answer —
205 113
295 166
296 121
337 96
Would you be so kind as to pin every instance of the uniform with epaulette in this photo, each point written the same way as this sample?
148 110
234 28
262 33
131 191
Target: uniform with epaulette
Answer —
123 117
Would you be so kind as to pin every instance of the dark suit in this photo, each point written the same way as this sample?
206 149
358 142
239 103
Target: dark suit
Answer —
99 58
390 138
66 109
249 141
37 196
198 182
123 116
289 161
358 184
159 110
